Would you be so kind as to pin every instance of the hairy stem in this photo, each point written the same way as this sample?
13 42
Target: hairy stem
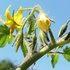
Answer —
27 9
32 12
42 52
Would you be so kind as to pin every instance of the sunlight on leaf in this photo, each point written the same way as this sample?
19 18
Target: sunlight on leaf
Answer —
67 53
31 24
24 49
63 28
54 59
4 35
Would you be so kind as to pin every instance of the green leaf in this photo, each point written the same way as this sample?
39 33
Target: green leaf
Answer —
54 59
67 53
9 39
4 30
24 49
3 41
63 29
4 35
19 41
31 24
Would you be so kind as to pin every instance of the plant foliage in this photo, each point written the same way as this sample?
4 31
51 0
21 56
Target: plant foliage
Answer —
4 36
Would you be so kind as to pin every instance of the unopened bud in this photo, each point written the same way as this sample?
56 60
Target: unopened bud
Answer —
43 22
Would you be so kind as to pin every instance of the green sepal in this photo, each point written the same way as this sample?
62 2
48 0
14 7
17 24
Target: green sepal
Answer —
24 48
68 36
43 37
31 24
18 40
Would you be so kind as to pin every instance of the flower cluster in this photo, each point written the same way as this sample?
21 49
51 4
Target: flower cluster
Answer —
14 21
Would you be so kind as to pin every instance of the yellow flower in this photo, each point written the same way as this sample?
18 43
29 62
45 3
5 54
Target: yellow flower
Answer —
13 21
43 22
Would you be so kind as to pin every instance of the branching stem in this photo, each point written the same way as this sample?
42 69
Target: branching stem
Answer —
53 44
42 52
32 12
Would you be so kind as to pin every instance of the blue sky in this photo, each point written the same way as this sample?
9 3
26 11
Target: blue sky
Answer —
59 10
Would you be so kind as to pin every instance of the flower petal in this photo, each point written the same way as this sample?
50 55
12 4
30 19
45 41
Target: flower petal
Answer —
9 23
43 22
12 27
7 14
18 16
2 20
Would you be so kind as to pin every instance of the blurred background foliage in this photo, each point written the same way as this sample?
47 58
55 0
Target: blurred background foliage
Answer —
7 65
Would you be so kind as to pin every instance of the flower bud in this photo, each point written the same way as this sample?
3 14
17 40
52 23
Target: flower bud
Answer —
43 22
62 30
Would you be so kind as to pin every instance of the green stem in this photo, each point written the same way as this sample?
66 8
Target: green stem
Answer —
27 9
32 12
33 59
42 52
